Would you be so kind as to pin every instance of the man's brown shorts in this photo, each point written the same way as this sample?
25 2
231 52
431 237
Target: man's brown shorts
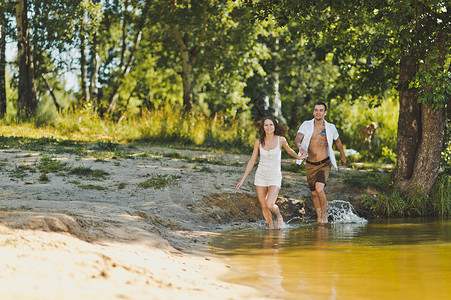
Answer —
318 173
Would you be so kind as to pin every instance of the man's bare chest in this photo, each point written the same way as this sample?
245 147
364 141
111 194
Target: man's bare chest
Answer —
319 137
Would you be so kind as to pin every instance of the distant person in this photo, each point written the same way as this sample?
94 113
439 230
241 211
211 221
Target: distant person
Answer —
366 133
317 137
268 177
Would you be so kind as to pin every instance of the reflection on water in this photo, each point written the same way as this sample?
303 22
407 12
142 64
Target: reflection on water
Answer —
394 259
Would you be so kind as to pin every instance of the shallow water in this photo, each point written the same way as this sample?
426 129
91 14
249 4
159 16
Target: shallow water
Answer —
389 259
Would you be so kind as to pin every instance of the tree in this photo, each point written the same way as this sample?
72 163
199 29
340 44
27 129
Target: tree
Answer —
189 38
402 43
127 61
424 89
210 38
27 102
2 62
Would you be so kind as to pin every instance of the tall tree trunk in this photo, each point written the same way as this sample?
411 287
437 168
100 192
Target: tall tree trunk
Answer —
52 94
94 66
409 122
127 64
126 70
2 64
187 67
27 101
421 139
188 56
83 69
125 24
277 103
427 163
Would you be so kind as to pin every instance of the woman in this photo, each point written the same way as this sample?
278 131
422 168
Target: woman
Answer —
268 177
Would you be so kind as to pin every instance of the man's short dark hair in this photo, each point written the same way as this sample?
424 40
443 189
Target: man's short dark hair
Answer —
321 103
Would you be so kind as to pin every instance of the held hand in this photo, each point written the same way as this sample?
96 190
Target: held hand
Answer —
343 160
303 153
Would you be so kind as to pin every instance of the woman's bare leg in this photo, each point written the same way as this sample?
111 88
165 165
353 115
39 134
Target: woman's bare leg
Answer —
262 194
273 192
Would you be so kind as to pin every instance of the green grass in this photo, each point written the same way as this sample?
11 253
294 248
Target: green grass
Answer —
49 164
205 169
158 181
294 168
95 174
91 187
441 195
44 178
121 185
20 172
171 127
379 181
3 162
392 204
202 160
167 125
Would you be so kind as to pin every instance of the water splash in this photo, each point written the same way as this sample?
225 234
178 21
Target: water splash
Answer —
341 212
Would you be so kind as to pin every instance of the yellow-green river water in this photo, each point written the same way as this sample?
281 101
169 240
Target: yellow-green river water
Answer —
390 259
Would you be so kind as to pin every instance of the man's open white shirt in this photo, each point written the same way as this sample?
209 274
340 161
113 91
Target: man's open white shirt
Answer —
307 129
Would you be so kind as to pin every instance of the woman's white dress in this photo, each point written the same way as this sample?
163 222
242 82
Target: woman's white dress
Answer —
269 171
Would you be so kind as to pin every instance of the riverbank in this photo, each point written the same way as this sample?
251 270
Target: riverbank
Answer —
132 223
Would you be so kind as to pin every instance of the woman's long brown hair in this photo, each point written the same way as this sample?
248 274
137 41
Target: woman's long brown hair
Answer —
278 130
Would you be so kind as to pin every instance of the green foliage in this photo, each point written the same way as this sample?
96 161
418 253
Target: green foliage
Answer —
293 167
203 160
89 173
173 125
91 187
168 125
205 169
43 178
121 185
49 164
441 195
392 204
446 154
375 180
21 171
351 118
388 202
433 81
158 181
385 205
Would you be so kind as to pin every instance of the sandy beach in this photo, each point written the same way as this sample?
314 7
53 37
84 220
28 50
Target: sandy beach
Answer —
108 235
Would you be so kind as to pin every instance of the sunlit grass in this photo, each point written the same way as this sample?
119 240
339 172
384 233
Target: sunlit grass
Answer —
71 132
84 133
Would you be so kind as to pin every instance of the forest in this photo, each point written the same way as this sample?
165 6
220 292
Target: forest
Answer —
202 73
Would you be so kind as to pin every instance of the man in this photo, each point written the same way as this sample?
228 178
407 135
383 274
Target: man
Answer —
317 136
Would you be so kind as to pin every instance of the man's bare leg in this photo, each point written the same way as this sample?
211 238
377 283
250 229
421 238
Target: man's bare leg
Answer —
262 194
273 192
319 186
316 203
